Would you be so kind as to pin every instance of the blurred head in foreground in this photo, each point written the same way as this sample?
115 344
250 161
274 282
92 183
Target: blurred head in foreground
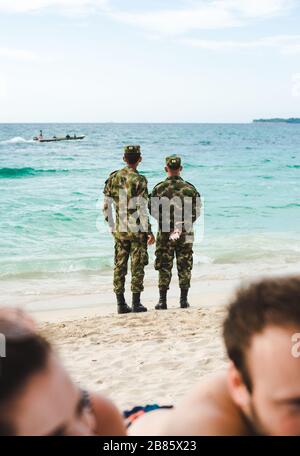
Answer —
262 338
37 397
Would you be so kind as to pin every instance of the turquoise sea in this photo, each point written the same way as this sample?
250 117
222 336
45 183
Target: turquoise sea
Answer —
51 226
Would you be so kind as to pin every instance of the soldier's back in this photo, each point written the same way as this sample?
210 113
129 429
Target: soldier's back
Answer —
127 180
174 186
122 186
177 191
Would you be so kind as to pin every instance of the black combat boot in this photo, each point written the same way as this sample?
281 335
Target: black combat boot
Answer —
162 303
123 308
183 298
137 306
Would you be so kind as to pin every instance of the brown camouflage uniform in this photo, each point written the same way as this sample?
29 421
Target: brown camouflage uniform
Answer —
182 248
128 241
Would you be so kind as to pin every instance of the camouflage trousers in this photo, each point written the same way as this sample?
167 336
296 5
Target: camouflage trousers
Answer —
165 252
137 251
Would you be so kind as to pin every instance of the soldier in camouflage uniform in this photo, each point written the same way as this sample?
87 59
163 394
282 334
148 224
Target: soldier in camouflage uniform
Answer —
126 191
176 205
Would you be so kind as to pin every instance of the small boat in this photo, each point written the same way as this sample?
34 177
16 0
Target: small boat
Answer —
56 139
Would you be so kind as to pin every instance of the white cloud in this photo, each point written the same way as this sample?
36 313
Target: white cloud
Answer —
18 54
296 85
203 15
287 44
180 21
259 8
206 14
3 87
25 6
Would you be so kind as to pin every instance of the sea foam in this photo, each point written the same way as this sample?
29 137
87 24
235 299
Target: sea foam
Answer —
16 140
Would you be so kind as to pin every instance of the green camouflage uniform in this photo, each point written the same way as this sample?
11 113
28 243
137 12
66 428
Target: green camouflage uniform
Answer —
128 241
167 249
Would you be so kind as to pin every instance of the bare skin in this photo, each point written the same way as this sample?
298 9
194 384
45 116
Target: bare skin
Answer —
273 405
207 410
109 421
223 405
50 404
18 316
173 172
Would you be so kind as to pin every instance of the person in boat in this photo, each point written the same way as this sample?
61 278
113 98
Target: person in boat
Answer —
40 137
68 137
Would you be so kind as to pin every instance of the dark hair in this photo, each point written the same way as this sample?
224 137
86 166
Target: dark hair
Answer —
268 302
132 157
173 167
26 354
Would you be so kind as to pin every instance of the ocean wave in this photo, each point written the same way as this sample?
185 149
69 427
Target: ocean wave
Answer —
238 253
16 140
34 268
266 177
285 206
13 173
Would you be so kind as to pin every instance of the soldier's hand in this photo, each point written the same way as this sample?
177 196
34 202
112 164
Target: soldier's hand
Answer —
151 239
175 235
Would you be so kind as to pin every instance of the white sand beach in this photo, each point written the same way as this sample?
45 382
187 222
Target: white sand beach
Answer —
139 358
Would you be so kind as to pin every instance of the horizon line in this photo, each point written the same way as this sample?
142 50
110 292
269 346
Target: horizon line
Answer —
121 123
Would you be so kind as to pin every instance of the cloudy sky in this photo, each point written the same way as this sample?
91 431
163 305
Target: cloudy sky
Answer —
149 61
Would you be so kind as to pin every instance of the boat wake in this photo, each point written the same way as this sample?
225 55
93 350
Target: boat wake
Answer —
17 140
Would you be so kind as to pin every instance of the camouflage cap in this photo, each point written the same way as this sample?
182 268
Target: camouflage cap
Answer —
173 162
132 149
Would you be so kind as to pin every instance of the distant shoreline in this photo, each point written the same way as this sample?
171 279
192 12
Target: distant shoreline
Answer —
291 120
123 123
43 123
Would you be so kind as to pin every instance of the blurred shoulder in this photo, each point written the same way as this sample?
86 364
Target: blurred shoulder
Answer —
109 420
211 408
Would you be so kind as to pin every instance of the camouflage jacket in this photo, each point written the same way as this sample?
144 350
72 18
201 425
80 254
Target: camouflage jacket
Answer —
126 190
175 203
